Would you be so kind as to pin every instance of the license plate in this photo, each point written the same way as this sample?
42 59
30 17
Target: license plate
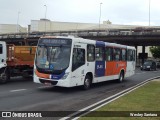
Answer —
47 83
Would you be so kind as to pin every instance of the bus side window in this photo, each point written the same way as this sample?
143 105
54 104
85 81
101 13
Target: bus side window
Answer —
99 53
117 54
1 50
78 58
123 55
134 57
109 54
130 55
90 53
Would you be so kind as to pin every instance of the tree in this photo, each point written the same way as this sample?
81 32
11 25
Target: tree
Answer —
155 50
107 22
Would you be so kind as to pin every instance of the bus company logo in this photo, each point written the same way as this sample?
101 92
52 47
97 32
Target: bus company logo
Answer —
121 65
6 114
99 66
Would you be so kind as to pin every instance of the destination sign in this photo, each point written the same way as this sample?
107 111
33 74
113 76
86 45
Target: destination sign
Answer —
55 41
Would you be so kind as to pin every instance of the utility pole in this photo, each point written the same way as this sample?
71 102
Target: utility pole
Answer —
149 11
100 16
45 16
17 30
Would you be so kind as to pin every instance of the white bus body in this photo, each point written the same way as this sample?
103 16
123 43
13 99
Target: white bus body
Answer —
70 61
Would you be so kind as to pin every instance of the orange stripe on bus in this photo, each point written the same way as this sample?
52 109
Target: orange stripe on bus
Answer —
42 75
114 67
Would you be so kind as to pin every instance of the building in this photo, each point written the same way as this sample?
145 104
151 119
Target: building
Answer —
11 28
44 25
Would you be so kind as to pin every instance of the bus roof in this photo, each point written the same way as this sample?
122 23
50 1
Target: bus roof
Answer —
82 40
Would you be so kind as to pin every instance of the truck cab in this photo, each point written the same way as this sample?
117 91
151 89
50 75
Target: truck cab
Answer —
3 64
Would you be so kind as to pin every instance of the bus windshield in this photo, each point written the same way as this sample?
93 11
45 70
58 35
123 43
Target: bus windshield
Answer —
53 55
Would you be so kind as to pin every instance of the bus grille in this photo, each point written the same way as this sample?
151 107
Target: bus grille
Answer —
48 81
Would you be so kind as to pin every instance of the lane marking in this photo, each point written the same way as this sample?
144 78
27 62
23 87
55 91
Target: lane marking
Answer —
105 101
145 72
45 86
17 90
140 73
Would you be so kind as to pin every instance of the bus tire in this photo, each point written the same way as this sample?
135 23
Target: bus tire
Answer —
87 82
4 75
121 77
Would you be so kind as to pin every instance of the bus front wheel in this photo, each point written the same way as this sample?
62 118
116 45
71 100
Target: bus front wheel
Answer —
87 82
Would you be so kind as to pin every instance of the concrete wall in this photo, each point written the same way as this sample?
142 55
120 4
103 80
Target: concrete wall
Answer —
43 25
11 28
46 25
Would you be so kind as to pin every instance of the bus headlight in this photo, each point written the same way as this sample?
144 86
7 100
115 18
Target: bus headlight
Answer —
65 76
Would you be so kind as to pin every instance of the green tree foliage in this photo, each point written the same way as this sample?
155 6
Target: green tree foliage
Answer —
155 51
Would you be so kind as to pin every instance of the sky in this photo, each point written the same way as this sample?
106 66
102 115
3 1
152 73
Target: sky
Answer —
124 12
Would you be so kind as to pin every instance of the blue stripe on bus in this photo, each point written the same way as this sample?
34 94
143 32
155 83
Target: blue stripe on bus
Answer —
57 77
100 68
100 65
100 44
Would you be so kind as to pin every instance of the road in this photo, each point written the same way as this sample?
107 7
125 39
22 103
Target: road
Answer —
23 95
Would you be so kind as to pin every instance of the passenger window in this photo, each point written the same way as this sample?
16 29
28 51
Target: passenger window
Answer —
123 55
117 54
109 54
1 49
130 55
133 55
99 54
78 58
90 53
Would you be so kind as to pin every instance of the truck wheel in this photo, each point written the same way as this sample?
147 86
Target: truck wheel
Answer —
87 82
121 77
4 76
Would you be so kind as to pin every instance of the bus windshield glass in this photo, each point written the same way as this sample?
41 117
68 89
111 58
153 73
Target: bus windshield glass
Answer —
53 54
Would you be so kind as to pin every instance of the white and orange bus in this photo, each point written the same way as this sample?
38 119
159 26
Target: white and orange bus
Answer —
69 61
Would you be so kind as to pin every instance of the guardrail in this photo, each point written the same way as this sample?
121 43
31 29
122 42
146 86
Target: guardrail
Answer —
106 32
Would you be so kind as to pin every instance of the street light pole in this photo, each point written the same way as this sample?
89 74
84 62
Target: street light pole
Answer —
100 16
45 16
149 11
18 22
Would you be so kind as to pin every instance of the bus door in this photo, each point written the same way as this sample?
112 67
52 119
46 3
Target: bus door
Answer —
78 62
100 61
